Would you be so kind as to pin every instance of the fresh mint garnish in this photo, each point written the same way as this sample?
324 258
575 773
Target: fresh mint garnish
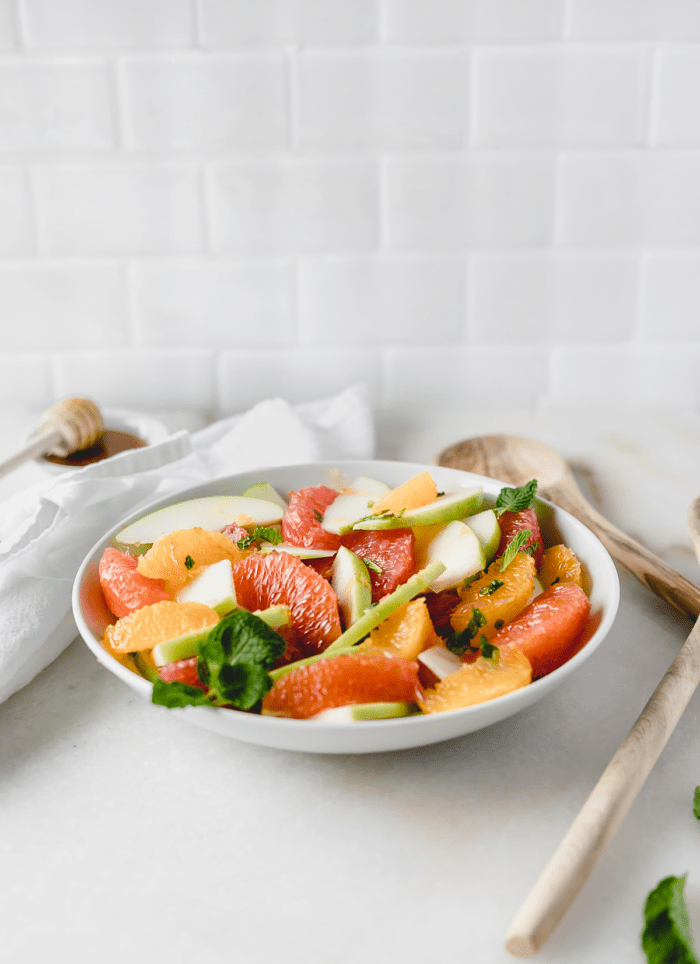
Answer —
666 935
261 534
491 588
488 650
373 566
189 562
460 642
513 547
515 500
318 516
499 624
233 664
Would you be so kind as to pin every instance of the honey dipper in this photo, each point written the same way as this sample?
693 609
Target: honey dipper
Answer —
70 425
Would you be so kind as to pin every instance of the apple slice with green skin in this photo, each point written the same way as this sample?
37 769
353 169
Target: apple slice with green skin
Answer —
451 505
352 585
349 507
301 552
361 712
212 512
183 647
214 587
485 527
375 615
266 492
461 552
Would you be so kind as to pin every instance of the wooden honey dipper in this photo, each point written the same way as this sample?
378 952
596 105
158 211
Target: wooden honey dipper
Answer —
70 425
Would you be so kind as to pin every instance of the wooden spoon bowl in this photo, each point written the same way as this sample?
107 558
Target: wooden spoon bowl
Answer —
516 460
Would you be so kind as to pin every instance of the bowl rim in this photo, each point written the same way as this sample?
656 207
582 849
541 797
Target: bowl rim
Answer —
266 727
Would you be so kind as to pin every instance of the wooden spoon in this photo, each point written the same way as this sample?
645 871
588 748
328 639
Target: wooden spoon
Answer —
516 460
68 426
612 796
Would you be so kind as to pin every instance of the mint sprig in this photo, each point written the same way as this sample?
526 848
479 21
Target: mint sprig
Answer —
234 660
261 534
459 643
666 934
514 547
515 500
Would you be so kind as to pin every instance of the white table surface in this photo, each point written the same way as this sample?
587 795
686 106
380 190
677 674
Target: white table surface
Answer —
128 835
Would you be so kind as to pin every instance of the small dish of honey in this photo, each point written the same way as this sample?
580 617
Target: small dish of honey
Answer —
124 429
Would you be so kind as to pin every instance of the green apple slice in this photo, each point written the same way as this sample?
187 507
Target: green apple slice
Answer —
302 552
266 492
351 582
461 552
361 712
351 506
211 512
485 527
184 647
214 587
452 505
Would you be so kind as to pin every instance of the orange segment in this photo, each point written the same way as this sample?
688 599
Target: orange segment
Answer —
155 624
418 491
499 604
180 556
405 633
559 565
476 682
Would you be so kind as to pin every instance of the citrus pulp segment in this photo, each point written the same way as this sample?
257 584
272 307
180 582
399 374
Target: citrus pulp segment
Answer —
124 588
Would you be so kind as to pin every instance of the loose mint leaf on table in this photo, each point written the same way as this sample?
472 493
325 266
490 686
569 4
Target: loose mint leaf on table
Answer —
696 803
666 935
233 663
514 547
515 500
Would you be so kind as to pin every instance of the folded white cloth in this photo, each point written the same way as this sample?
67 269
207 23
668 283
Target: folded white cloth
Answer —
46 531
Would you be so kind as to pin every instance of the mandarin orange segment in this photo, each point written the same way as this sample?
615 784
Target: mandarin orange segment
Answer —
484 679
180 556
155 624
417 492
498 603
559 565
405 633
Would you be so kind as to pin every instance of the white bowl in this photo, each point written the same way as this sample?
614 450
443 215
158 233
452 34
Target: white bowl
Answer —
121 420
92 617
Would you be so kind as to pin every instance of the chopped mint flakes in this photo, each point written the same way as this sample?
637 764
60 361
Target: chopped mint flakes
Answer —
488 650
515 500
460 642
514 547
666 935
261 534
491 588
234 660
696 803
189 562
373 566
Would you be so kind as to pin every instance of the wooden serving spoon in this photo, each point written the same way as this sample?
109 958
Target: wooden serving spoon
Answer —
68 426
516 460
612 796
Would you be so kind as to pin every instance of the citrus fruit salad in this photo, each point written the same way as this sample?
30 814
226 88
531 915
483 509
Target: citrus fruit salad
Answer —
349 601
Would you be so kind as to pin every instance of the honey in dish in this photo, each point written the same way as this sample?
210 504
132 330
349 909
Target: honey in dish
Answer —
112 441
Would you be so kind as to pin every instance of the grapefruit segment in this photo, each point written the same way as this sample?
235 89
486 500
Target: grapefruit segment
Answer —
124 588
301 523
263 580
549 630
391 554
349 678
512 523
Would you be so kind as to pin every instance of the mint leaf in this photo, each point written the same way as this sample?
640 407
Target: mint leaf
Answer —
513 547
268 534
189 562
491 588
373 566
515 500
666 935
696 803
488 650
234 660
459 642
176 694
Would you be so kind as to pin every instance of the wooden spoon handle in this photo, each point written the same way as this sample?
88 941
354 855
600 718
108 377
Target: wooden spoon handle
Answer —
652 571
40 444
605 808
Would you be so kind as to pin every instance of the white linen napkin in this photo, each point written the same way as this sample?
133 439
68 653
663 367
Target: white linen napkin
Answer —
47 530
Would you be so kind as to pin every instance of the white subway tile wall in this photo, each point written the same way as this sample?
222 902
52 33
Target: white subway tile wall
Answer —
207 202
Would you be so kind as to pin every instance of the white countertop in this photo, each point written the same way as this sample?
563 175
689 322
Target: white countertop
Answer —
127 834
